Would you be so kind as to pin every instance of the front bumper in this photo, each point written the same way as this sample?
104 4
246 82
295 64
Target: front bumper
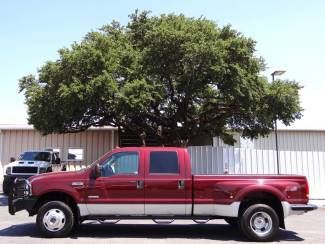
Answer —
19 199
297 209
15 205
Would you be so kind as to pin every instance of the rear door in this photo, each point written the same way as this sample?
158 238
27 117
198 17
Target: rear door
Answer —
165 184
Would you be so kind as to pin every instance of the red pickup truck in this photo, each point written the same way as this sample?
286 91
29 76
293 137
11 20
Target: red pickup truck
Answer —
157 183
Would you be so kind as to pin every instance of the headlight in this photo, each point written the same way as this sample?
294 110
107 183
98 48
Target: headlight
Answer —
8 171
42 170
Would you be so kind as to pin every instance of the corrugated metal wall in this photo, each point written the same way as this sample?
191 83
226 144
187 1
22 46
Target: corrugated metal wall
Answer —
288 140
206 160
302 152
93 142
216 160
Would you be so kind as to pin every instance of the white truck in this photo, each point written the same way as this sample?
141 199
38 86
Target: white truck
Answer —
28 164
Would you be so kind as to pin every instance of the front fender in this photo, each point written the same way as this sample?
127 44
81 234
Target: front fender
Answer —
41 189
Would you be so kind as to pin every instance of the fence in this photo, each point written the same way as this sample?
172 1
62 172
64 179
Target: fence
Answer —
218 160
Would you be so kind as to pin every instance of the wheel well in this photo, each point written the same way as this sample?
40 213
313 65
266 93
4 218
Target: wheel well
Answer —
263 198
57 196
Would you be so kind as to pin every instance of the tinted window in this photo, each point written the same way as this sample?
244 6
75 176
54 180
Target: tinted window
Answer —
164 163
125 163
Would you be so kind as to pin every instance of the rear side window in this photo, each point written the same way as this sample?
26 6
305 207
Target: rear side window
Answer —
163 163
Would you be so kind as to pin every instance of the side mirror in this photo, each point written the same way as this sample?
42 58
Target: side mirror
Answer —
12 159
95 173
57 161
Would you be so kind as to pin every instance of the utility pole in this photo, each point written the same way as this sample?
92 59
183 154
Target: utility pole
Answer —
273 74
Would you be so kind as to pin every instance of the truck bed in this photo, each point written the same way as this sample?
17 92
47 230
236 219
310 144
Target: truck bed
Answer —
222 194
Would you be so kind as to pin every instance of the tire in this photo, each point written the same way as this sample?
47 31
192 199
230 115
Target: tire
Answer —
55 219
259 222
64 168
232 221
49 169
6 186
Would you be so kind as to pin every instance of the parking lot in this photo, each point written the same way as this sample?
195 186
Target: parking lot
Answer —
309 228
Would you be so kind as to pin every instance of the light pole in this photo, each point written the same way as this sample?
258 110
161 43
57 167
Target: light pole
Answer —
273 74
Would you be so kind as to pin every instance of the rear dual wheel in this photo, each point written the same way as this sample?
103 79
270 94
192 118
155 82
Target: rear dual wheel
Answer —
259 222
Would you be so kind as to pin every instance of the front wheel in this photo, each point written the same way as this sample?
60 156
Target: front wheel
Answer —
55 219
259 222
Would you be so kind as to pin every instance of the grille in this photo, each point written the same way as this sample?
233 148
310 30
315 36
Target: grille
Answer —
19 188
24 170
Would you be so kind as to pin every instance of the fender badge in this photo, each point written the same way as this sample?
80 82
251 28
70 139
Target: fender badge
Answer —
77 183
93 197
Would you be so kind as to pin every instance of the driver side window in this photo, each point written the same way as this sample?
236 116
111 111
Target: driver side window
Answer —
124 163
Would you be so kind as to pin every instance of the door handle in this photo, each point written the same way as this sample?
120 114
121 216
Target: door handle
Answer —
140 184
181 184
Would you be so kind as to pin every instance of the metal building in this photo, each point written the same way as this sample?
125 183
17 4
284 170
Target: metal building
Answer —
288 140
85 146
301 152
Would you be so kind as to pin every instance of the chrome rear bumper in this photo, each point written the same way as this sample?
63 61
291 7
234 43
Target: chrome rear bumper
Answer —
303 207
297 209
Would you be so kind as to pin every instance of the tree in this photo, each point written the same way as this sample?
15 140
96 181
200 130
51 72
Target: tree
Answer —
172 77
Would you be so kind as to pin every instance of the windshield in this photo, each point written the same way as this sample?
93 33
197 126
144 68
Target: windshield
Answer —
36 156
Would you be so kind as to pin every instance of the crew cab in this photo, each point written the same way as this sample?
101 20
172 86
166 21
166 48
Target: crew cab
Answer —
157 183
28 164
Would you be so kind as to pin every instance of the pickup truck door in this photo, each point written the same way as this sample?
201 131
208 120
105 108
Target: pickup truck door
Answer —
120 188
166 186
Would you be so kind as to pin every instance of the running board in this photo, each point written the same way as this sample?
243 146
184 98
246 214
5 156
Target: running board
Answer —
197 219
201 221
163 221
110 221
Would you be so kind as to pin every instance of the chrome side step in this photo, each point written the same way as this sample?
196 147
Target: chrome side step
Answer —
163 221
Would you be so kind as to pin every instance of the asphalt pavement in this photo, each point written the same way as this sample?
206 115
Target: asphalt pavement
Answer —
308 228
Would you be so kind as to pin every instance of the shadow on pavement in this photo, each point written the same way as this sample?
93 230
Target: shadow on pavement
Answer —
21 230
191 231
3 200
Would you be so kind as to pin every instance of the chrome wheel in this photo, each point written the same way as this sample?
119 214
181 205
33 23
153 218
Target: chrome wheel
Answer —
261 223
54 220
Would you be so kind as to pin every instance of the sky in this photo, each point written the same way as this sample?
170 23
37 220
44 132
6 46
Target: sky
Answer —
290 36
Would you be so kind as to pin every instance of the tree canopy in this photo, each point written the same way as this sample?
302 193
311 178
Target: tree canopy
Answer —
170 76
